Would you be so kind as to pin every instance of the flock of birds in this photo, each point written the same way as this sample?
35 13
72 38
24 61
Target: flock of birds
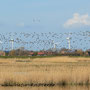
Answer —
44 41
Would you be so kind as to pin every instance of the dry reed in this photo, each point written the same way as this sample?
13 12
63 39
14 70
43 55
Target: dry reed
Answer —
45 71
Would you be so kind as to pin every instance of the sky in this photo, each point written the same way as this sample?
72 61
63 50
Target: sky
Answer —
44 15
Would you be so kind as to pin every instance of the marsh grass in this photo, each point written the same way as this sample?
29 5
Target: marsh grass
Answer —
55 71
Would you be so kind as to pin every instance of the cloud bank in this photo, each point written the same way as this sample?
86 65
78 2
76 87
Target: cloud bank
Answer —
78 20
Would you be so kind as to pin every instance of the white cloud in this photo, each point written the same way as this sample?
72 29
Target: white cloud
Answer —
78 20
21 24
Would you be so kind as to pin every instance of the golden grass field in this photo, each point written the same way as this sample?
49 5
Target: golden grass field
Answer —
45 71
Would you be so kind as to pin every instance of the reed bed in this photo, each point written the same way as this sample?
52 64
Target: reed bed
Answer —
56 71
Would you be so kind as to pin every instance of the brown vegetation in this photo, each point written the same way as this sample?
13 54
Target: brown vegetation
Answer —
2 53
45 71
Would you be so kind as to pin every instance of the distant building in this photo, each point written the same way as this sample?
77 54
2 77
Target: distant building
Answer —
67 52
41 53
31 53
50 53
45 53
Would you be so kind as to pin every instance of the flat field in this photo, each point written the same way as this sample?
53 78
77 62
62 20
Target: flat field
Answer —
45 71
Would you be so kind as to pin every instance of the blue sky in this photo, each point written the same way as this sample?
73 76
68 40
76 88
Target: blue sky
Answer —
41 15
59 16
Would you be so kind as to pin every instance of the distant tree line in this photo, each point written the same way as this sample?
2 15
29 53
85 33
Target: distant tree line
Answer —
49 52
